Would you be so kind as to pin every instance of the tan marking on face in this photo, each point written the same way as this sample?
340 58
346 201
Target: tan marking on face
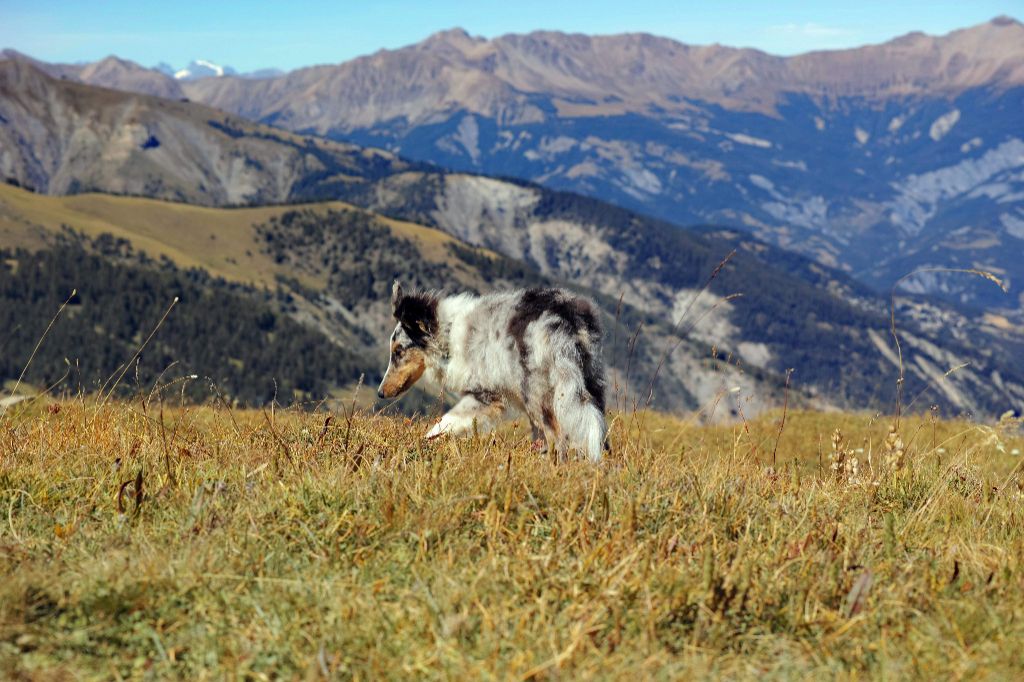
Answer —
402 375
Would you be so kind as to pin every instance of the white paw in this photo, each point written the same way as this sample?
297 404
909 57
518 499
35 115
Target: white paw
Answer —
451 424
442 427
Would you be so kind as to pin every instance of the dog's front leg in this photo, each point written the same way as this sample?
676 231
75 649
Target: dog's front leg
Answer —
484 409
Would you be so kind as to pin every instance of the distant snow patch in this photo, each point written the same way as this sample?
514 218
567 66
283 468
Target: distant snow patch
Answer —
943 124
216 68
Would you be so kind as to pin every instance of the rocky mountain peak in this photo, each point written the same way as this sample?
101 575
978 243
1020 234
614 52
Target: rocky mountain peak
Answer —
1003 20
456 39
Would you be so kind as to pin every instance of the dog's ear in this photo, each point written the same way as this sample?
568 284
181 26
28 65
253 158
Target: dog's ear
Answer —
396 298
417 313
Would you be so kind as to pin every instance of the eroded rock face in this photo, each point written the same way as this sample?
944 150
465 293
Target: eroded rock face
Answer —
61 137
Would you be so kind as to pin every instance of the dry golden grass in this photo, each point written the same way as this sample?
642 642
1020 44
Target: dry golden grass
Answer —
203 543
221 241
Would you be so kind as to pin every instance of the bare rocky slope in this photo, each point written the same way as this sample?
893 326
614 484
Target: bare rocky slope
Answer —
58 137
64 138
880 160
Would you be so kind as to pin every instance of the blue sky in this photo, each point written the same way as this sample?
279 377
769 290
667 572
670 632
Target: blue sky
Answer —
251 35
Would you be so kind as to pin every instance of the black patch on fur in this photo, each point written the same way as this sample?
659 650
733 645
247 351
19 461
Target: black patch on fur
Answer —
547 413
592 378
485 397
573 315
417 313
530 307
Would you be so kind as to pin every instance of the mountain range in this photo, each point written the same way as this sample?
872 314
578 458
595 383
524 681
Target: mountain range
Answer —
163 80
766 311
879 161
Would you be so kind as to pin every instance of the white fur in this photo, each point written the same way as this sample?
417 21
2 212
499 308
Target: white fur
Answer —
474 354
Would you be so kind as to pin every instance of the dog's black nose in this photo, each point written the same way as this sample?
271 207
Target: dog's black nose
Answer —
380 393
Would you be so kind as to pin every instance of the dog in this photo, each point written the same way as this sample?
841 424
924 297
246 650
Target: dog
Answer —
537 351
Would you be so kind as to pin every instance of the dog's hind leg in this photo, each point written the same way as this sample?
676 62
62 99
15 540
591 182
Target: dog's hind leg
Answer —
539 409
481 410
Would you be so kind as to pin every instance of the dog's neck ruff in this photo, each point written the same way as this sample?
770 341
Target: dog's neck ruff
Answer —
449 310
439 353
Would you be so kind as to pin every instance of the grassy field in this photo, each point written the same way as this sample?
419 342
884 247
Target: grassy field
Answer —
198 543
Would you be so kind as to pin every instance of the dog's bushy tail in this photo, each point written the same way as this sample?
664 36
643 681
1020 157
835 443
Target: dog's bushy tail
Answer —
587 432
581 403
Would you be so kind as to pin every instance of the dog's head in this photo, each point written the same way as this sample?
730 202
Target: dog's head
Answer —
416 315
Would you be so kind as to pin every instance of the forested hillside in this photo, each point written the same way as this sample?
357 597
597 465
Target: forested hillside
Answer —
241 344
